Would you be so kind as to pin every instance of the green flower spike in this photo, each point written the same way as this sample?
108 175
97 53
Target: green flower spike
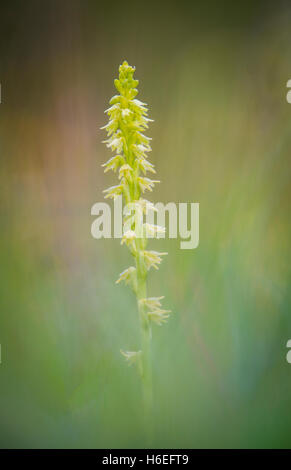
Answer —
127 122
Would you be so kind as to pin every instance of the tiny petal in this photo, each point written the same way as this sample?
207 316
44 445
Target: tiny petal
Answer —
159 316
139 103
140 150
128 237
132 357
113 163
113 191
112 108
146 183
151 230
151 302
126 275
115 144
145 165
126 112
125 171
153 259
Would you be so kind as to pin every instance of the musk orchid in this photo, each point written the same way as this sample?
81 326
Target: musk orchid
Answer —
128 120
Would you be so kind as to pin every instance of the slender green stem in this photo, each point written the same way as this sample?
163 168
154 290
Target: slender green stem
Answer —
146 334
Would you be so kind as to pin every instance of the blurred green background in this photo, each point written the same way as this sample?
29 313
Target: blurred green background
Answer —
214 75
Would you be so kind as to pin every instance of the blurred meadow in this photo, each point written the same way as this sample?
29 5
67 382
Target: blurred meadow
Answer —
214 76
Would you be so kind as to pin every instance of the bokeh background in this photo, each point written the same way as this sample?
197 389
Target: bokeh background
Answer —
214 75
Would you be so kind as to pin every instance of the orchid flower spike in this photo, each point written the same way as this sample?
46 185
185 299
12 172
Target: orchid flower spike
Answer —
128 120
